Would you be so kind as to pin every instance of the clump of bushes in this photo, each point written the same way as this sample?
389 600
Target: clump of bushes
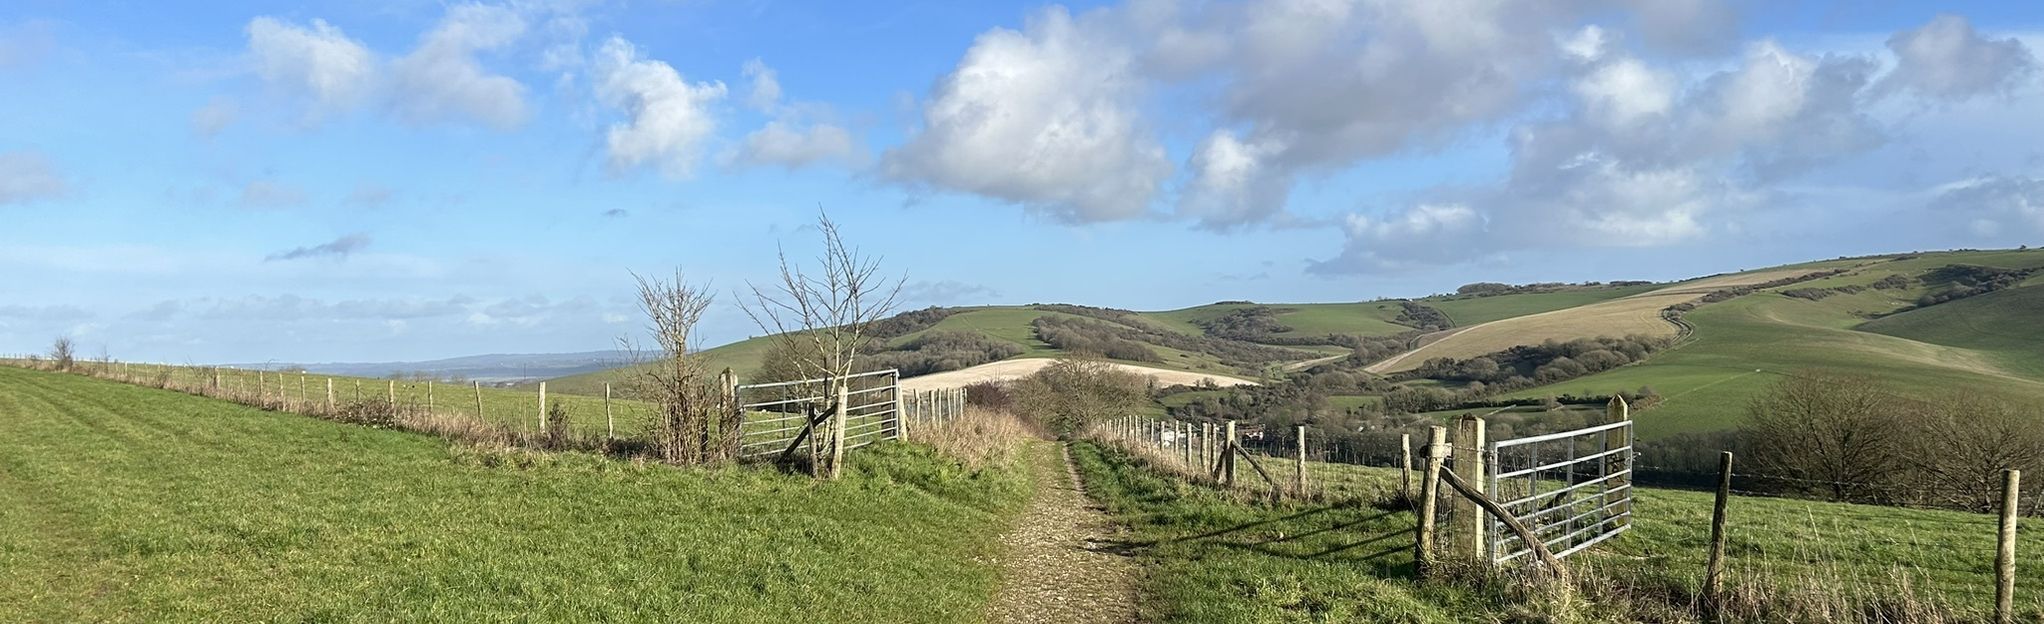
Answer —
1551 361
1069 397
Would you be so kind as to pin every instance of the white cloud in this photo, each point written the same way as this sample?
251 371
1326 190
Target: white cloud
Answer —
788 144
271 195
1626 91
215 116
27 176
1410 238
1046 118
667 119
1946 58
1994 207
318 62
766 86
442 80
1231 183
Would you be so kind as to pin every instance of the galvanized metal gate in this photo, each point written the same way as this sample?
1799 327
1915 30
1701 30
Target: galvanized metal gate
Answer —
776 413
1572 489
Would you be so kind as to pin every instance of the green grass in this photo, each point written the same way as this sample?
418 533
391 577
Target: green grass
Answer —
2008 324
122 503
1216 557
1370 318
1480 310
1743 345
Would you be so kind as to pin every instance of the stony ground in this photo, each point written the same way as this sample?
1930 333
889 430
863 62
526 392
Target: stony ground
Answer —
1061 564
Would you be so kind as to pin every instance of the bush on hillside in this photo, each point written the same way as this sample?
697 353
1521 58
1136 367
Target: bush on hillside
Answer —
1069 397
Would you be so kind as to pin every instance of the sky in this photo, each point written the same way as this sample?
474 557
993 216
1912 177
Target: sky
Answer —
346 181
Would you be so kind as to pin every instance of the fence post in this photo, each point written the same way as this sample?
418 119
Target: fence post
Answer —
542 407
837 432
2005 555
1299 481
479 402
1621 437
1405 465
1185 443
390 394
1429 499
1468 453
609 419
1228 456
1714 570
429 396
330 395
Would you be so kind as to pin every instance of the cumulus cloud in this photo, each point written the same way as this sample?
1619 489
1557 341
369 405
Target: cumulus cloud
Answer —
1640 160
215 116
1046 118
667 119
339 248
271 195
790 144
1992 207
766 86
1404 240
443 80
792 138
27 176
1231 184
316 61
1946 58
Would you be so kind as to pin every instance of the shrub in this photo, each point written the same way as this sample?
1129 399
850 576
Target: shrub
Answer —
1068 397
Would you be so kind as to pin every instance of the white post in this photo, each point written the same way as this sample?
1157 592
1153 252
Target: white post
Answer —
542 406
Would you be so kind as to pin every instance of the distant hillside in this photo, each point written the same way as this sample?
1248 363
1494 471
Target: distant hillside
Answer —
2008 324
492 368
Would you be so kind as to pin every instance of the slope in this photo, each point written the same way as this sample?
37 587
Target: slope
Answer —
2008 324
120 503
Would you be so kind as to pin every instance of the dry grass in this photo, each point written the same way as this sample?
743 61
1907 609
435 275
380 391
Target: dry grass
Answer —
1635 315
981 437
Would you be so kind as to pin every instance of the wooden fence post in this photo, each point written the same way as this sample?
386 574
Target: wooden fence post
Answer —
390 394
837 432
330 395
1228 457
609 419
479 402
1621 437
1714 569
1185 443
1299 480
1466 515
1429 499
1405 465
2005 554
900 419
429 396
542 407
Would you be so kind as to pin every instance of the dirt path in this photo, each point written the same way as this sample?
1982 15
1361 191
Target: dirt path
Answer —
1060 566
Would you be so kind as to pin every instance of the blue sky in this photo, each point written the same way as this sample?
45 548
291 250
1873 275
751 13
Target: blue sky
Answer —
345 181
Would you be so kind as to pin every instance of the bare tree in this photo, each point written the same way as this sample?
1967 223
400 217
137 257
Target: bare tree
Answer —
688 428
62 353
823 318
1838 435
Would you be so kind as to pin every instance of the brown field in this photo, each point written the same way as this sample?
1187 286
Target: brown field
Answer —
1638 314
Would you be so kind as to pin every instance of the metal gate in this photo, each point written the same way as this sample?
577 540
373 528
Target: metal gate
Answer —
776 413
1571 489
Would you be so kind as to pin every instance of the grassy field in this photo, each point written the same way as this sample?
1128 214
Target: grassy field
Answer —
1215 557
1480 310
2008 324
120 503
1743 345
1637 314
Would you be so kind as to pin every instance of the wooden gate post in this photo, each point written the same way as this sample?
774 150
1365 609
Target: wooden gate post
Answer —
1468 519
1621 437
1429 499
2005 554
1299 480
900 419
1714 569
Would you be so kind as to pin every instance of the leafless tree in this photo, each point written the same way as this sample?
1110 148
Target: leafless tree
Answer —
62 353
689 428
1838 435
823 317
